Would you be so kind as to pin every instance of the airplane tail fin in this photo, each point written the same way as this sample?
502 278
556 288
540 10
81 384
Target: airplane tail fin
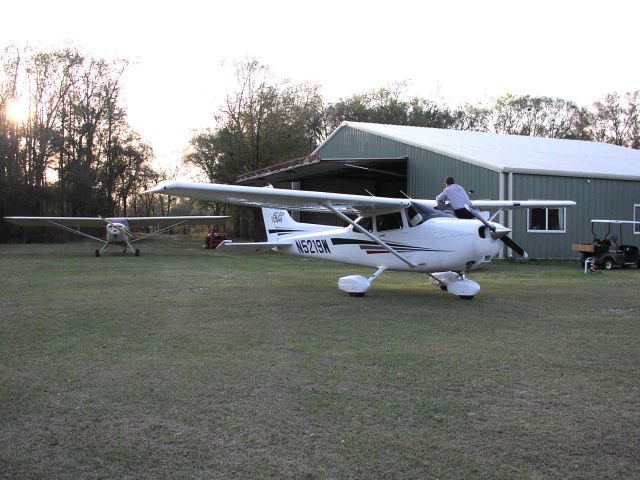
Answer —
279 223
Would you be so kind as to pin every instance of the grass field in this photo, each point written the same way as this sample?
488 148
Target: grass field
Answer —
185 363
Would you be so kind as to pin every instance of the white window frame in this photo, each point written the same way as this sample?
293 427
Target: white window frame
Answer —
636 218
564 220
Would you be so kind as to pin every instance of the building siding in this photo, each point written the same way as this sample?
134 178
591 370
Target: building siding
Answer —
595 199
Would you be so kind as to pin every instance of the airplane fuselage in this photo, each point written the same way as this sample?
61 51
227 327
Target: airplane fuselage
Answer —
118 233
437 245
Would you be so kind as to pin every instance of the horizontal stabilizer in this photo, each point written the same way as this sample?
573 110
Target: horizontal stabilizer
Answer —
230 246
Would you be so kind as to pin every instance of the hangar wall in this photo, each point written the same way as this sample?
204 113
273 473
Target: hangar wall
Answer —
596 198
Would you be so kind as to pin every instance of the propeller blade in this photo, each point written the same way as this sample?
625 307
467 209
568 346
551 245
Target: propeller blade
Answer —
509 242
476 214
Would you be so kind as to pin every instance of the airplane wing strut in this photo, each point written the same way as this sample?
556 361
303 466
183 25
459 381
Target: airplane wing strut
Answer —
369 234
73 230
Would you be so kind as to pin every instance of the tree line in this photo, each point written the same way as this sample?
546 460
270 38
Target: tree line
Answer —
74 153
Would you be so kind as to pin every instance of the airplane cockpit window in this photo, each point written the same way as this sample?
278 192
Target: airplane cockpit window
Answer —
389 221
418 214
366 223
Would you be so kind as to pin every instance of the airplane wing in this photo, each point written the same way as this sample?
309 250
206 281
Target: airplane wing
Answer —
301 200
509 204
319 201
166 221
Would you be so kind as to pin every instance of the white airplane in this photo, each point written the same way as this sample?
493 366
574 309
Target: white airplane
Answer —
118 229
388 234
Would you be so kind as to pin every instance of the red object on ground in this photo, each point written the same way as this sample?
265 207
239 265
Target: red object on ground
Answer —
213 239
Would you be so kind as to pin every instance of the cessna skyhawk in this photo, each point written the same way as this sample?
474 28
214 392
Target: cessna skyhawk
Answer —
388 234
118 229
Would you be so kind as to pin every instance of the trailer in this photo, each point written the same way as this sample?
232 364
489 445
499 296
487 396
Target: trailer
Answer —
608 251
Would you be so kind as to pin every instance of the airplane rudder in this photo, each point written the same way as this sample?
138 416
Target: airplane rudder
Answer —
275 220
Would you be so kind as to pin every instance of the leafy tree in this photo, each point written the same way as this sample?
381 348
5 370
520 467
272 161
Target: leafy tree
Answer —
389 105
615 119
471 117
262 123
536 117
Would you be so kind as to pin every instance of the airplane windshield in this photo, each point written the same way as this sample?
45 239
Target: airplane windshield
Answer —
120 221
419 214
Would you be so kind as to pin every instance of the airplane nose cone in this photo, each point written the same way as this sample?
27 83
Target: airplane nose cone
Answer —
499 231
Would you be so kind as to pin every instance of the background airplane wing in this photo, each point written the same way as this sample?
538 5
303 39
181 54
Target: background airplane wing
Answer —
77 222
72 222
280 198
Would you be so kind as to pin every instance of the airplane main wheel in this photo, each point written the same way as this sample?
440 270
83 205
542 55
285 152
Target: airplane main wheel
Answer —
443 288
137 252
97 252
466 297
356 294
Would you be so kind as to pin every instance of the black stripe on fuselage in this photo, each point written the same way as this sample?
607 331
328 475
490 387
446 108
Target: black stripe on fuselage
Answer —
284 231
364 244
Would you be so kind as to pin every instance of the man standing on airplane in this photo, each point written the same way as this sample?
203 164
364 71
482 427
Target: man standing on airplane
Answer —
457 198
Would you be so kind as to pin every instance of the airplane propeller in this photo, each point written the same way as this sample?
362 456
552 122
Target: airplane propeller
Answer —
508 241
119 229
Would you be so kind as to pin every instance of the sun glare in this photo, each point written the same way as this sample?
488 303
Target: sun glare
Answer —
17 110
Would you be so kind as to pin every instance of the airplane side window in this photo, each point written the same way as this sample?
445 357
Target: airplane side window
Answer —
389 221
366 223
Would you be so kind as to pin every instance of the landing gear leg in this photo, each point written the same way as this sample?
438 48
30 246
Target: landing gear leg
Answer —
135 251
99 252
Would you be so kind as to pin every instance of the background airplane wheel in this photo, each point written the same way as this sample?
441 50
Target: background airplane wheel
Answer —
137 252
97 252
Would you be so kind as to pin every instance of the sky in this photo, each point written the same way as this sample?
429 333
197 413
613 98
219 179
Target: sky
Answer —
454 51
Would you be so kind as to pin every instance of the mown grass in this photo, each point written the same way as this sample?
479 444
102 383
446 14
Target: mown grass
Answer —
185 363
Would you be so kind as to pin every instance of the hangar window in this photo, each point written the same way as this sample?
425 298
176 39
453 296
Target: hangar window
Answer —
546 220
